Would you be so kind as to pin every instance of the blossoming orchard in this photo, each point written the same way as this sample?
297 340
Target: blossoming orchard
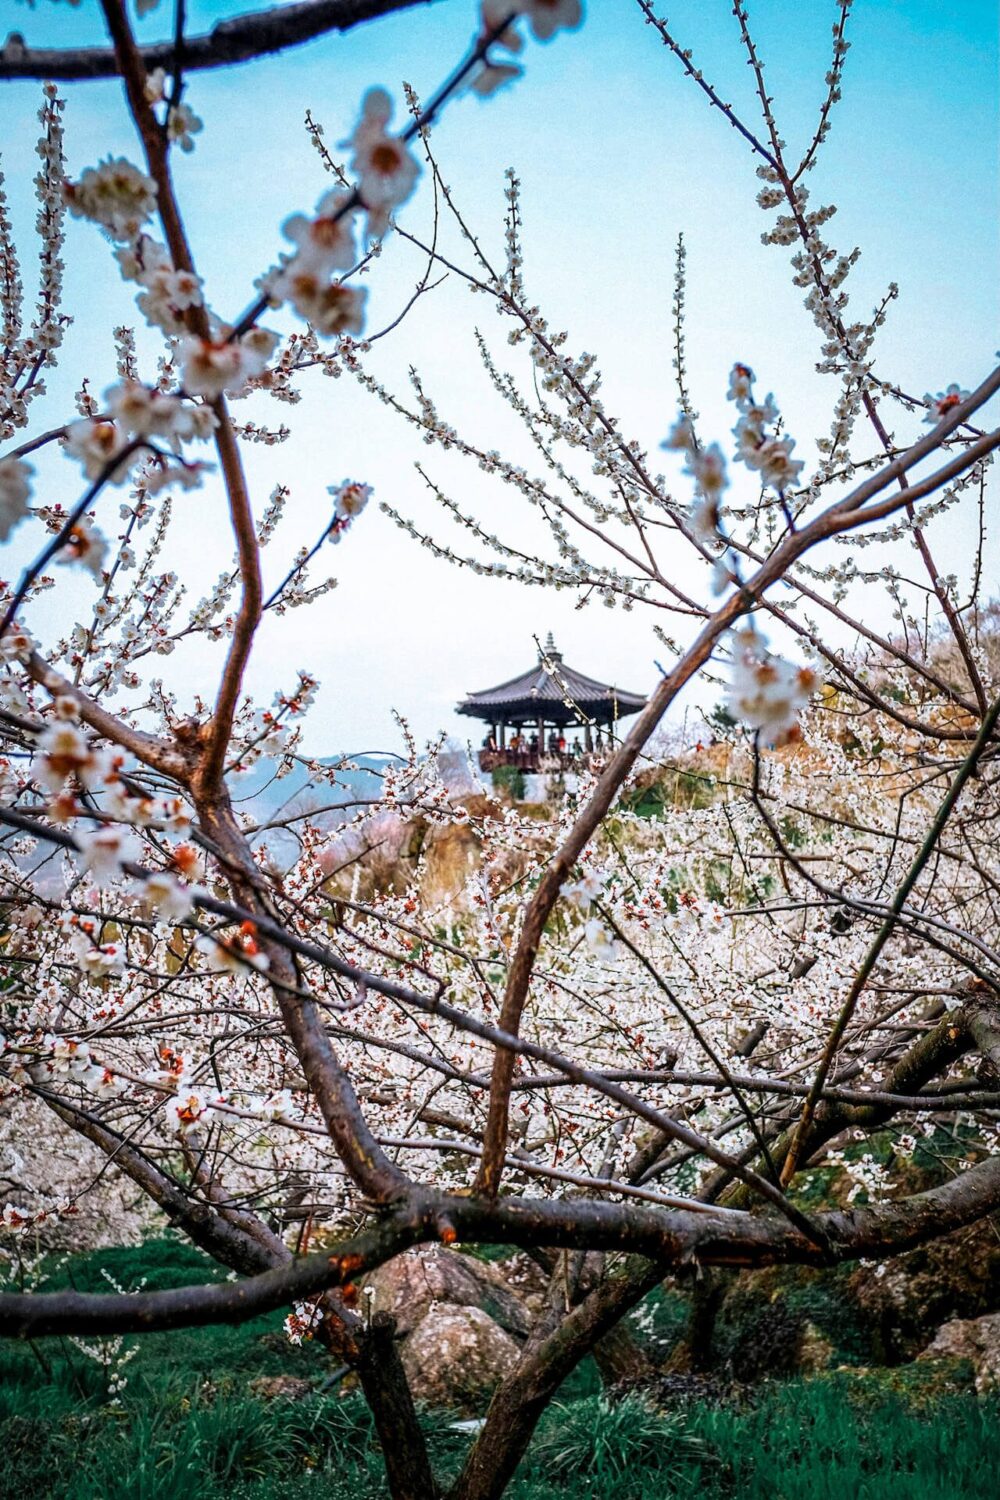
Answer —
619 1041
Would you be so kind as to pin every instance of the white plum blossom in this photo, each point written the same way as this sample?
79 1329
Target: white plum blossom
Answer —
762 451
493 76
187 474
15 492
96 960
166 293
62 1057
173 815
189 1108
708 468
767 692
280 1106
102 1081
84 545
330 306
599 940
945 401
584 892
234 955
494 13
210 368
169 898
104 850
774 463
350 498
546 17
96 442
182 126
723 573
16 644
680 438
383 164
751 429
155 87
740 385
115 195
142 257
146 412
302 1321
62 750
270 736
326 242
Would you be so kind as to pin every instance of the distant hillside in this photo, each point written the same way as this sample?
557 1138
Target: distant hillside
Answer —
260 792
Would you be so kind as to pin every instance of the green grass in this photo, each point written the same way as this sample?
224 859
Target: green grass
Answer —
675 791
827 1439
604 1445
187 1425
509 779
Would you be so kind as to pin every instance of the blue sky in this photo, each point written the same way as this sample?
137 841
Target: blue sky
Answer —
617 153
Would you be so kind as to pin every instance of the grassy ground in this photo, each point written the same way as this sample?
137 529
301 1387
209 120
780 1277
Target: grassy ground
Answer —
187 1423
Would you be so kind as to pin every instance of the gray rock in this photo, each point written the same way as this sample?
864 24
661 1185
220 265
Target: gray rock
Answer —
974 1339
456 1356
425 1277
280 1388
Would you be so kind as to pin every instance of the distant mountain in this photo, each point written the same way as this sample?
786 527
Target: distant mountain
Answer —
270 799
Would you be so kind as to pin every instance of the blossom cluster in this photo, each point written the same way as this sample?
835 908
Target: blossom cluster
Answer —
758 448
545 18
767 692
349 500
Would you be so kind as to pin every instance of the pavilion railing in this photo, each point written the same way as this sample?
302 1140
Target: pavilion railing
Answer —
535 761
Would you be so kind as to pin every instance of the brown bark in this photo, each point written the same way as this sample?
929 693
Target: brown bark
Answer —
522 1398
693 1351
620 1359
387 1389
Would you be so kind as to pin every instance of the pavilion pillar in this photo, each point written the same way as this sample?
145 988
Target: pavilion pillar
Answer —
588 738
503 730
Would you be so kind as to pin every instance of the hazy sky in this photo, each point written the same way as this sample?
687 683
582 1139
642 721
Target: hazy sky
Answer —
617 152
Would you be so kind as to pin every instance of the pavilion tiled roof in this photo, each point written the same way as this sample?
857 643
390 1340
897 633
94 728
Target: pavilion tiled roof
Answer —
542 692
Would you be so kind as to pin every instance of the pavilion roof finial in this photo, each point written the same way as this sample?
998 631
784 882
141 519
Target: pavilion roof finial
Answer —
550 649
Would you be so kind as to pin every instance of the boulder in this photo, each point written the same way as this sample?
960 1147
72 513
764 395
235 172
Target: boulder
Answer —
974 1339
905 1299
280 1388
429 1276
456 1356
815 1351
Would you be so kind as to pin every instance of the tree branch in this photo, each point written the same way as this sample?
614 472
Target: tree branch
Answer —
671 1237
239 40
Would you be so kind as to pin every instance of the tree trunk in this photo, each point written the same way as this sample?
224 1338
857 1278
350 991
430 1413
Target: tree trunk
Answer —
693 1352
242 1241
620 1359
522 1398
387 1390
